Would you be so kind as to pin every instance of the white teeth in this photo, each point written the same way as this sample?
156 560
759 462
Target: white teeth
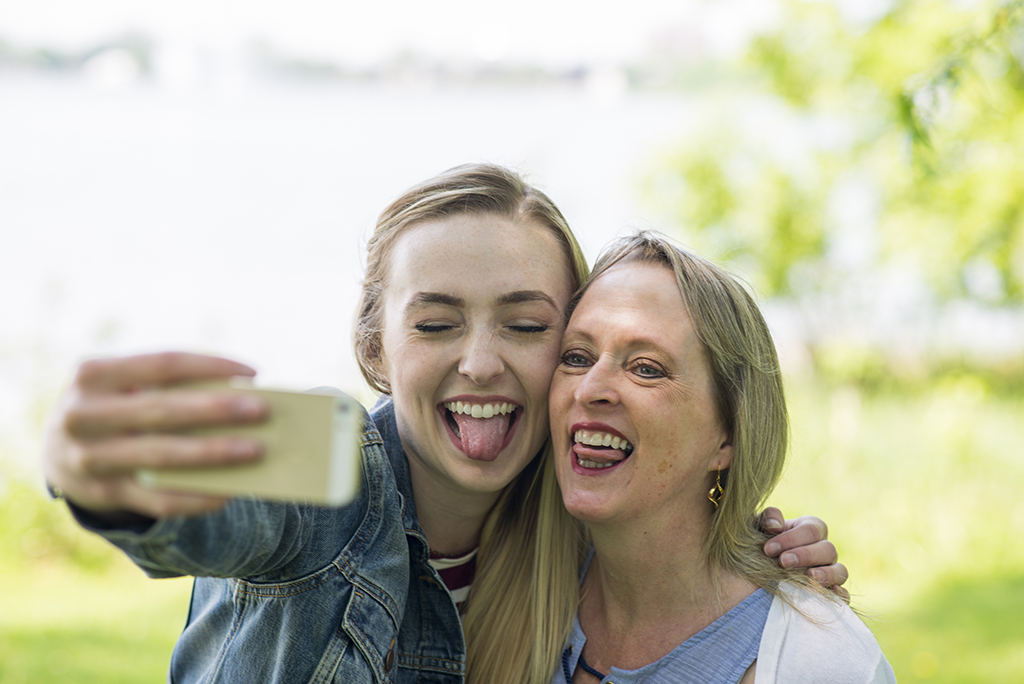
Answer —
480 410
595 464
601 439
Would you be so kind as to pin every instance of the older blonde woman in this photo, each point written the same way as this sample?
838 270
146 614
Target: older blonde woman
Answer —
669 428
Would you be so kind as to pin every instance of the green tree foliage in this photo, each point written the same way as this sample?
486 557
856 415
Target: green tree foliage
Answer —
912 121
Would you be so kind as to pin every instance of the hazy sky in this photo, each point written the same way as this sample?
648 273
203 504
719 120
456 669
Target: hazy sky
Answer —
549 31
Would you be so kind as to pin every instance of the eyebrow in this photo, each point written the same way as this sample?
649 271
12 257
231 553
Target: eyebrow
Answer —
520 296
575 335
517 297
422 298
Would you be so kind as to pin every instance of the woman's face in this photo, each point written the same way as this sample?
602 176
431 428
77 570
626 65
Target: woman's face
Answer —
634 426
474 311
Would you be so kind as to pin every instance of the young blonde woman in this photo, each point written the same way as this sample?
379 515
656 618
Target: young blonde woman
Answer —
459 326
669 428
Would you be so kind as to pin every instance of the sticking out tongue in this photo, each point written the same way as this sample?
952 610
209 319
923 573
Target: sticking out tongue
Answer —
482 438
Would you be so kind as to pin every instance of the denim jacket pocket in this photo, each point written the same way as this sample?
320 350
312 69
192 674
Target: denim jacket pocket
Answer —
307 626
371 627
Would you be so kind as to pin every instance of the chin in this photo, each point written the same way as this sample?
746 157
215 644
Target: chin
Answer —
585 508
483 477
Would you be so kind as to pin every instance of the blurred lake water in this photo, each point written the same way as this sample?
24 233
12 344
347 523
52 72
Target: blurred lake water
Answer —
231 217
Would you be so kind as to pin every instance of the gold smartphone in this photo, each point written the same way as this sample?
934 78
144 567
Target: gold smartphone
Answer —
311 451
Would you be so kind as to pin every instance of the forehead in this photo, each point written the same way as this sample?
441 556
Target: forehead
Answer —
635 286
477 253
639 302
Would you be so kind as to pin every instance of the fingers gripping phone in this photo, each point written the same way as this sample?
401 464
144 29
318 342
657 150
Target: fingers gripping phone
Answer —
311 451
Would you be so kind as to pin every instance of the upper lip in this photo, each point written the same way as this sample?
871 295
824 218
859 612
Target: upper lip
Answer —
596 427
473 399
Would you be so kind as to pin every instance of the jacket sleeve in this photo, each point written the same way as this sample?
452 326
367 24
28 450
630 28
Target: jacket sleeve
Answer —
249 538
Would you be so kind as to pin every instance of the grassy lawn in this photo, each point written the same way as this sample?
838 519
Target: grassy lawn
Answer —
921 494
965 631
86 628
74 610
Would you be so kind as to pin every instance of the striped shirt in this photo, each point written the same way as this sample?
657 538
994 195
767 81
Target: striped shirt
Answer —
456 573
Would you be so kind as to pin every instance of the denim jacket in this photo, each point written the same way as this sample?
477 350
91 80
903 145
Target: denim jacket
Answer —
296 594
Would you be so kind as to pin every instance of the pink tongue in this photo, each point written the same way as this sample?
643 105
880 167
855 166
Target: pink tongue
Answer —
482 437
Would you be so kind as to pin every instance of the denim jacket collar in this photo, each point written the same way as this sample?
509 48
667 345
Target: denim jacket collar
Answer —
383 415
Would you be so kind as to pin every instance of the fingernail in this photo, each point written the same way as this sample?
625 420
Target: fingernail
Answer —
244 451
772 548
816 574
772 524
788 560
248 408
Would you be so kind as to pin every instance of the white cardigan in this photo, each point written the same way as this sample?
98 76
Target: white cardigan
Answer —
818 641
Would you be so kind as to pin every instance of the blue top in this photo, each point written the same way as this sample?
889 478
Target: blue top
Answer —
294 594
718 654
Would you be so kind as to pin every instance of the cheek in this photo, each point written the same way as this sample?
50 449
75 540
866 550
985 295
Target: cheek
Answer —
561 392
412 378
561 464
392 369
538 367
559 404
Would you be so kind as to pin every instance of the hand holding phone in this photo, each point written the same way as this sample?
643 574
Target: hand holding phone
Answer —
311 451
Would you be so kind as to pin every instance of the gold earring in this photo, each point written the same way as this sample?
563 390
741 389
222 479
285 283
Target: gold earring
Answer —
716 492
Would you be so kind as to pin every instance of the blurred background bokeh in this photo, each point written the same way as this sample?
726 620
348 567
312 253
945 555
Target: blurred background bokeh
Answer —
204 175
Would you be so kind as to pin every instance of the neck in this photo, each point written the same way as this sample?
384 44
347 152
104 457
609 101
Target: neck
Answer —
452 518
647 570
649 589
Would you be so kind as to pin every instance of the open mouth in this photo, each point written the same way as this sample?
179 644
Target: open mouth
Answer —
596 450
481 430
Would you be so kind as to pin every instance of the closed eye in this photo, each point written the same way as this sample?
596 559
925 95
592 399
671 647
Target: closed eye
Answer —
429 328
529 328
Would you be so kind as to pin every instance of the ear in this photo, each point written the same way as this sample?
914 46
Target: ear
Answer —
723 457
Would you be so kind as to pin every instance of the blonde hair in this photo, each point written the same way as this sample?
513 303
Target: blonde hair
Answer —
748 395
520 612
524 593
466 189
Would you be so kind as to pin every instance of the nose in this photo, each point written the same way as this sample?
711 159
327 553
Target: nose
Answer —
481 360
596 386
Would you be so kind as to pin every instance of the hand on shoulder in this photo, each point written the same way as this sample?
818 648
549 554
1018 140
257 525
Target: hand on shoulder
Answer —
803 543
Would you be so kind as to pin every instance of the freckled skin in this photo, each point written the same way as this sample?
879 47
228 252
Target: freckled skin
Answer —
631 360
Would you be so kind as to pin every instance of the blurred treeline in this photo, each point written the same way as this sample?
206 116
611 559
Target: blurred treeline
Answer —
864 166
